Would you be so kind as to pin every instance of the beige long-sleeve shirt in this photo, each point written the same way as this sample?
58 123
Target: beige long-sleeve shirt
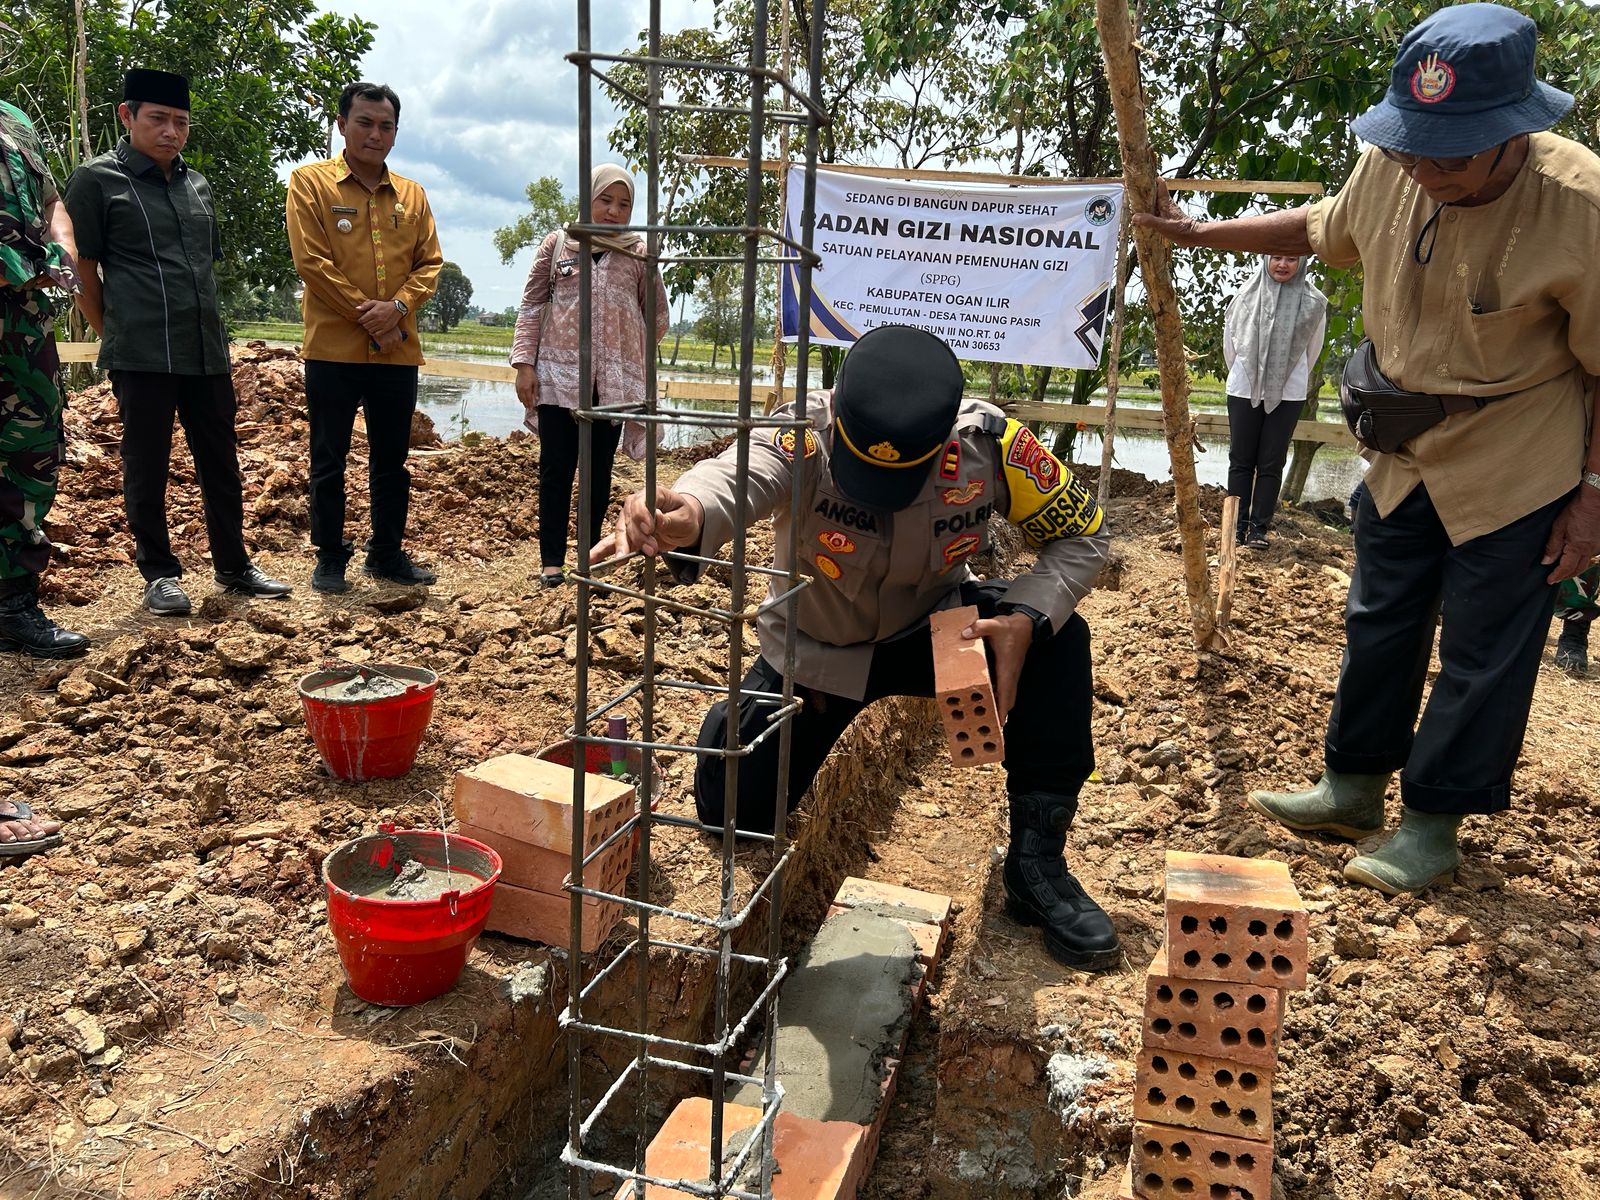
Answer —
1509 305
876 574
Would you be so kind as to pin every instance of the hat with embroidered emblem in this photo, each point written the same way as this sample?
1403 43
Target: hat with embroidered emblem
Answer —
144 86
1463 83
894 404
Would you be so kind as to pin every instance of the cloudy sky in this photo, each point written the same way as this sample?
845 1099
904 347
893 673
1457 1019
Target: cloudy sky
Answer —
489 105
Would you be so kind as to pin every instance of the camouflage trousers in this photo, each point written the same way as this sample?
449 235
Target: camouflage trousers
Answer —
32 441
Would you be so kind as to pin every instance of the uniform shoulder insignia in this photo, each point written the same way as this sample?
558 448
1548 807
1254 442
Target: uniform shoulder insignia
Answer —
1046 501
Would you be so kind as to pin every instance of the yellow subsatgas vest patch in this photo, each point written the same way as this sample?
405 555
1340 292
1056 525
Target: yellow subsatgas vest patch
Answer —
1047 502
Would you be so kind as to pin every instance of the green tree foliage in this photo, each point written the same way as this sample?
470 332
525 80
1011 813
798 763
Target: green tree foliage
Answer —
449 303
548 208
264 76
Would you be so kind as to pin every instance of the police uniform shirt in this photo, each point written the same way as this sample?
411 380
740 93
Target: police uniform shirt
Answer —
876 574
1508 305
156 240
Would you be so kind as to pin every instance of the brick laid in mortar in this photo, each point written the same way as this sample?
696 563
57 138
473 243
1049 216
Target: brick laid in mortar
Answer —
844 1010
1235 919
930 938
531 800
816 1160
903 903
963 692
1219 1020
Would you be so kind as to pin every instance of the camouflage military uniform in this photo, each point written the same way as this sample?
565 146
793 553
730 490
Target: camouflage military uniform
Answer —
31 436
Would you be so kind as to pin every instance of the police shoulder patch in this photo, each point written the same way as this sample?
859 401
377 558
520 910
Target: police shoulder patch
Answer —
1045 500
784 440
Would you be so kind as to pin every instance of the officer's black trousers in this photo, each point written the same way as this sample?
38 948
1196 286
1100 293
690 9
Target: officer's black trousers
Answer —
205 404
1495 604
386 393
1048 746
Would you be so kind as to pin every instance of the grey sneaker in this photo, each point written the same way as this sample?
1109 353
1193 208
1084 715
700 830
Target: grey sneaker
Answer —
166 599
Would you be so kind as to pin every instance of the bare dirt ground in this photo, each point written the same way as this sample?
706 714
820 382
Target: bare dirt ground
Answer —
1446 1047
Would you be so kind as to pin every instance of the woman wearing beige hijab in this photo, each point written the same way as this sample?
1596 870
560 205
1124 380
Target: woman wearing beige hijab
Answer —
545 354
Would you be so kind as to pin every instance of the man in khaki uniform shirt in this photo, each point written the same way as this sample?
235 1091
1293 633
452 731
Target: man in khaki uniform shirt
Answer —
1476 232
899 478
364 242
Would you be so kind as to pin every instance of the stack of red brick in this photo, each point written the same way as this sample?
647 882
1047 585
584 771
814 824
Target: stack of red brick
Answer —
1214 1000
522 807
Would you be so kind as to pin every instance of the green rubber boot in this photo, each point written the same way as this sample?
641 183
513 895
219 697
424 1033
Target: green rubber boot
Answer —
1348 805
1422 852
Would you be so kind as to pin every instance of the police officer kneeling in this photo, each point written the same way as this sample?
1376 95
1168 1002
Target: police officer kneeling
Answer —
901 479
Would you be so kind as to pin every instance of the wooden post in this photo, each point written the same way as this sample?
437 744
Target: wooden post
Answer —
779 358
1227 562
1155 264
1119 290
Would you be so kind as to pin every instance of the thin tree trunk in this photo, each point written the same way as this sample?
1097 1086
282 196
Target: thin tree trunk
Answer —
1294 483
1155 262
1108 445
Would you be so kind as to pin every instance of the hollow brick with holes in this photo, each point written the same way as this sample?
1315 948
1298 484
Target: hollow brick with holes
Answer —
1209 1017
1234 919
963 691
1218 1095
1170 1163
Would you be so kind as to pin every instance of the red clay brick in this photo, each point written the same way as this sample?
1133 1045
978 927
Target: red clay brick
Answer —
1185 1164
1211 1018
543 870
544 917
1217 1095
531 800
1235 919
903 903
963 691
818 1160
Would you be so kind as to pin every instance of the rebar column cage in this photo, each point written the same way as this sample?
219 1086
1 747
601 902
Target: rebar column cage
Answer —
762 248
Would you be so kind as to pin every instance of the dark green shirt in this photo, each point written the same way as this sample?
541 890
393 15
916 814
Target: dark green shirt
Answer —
156 241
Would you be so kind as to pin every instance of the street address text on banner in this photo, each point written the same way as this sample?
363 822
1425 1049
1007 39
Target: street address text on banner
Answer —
1003 274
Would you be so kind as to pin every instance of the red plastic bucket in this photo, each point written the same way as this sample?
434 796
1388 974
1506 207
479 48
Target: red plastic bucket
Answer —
399 952
361 738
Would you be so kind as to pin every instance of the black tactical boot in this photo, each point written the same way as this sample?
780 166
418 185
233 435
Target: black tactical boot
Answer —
1041 891
1572 648
24 627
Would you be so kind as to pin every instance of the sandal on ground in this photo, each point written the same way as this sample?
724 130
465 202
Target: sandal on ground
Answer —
27 846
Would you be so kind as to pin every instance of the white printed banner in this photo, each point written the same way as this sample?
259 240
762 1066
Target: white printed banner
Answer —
1003 274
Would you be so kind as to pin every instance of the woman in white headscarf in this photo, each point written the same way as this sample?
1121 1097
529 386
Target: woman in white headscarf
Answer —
1271 339
544 351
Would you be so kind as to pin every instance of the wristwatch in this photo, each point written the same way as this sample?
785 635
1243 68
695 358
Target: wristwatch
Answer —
1041 623
1592 478
401 306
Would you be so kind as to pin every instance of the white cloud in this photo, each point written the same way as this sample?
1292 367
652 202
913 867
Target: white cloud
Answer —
489 104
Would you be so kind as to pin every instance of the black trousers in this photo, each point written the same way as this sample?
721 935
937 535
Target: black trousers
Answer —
558 466
1258 446
1495 607
1048 744
205 404
387 394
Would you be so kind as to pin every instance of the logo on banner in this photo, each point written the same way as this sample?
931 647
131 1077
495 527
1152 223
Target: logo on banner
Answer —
1094 311
1033 460
839 543
1100 211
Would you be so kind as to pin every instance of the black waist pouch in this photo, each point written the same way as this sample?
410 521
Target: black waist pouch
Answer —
1385 417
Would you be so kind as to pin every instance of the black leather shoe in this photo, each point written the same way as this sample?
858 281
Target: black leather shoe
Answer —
399 569
1041 891
166 598
253 581
24 627
329 576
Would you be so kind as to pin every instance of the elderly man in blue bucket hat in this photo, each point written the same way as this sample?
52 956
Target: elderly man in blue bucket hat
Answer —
1476 230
